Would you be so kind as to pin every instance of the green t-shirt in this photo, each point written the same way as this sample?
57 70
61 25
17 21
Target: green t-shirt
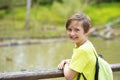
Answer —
83 61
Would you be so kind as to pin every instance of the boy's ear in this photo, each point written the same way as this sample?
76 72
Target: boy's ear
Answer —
88 32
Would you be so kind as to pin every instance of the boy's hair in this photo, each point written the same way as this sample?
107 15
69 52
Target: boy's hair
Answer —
82 18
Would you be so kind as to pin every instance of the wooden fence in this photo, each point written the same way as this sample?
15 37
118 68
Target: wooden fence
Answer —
41 74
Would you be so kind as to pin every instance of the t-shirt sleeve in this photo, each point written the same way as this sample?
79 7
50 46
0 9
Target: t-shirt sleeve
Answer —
79 60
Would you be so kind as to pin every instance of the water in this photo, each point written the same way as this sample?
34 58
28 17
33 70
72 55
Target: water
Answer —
47 56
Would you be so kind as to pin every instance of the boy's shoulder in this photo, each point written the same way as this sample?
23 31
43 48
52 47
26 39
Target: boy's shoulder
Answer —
87 44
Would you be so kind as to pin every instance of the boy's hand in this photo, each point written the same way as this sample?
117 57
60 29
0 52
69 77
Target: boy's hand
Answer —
63 62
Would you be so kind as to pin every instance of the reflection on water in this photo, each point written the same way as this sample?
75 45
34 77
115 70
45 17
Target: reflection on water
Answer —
46 56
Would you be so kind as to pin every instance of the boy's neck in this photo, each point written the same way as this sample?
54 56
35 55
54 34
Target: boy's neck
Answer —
78 45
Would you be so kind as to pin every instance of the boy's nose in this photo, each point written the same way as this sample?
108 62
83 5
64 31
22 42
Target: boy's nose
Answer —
72 33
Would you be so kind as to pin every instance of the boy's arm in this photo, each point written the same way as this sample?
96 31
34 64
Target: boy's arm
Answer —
68 73
62 63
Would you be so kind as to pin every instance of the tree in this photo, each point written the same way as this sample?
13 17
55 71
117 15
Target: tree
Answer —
28 7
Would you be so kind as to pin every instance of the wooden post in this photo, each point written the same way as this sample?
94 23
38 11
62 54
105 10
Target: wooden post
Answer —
40 74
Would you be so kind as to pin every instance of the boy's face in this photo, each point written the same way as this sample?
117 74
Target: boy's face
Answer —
76 32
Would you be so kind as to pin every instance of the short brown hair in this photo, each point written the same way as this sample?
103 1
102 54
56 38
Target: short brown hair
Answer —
80 17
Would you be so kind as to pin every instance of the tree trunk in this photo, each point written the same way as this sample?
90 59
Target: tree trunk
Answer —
27 24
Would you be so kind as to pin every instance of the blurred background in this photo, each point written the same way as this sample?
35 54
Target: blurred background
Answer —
33 35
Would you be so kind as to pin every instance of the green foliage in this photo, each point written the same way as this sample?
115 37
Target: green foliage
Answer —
103 1
57 13
2 14
4 2
111 0
46 2
103 13
53 15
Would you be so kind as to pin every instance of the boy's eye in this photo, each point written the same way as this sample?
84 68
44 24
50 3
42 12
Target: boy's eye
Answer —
69 29
77 30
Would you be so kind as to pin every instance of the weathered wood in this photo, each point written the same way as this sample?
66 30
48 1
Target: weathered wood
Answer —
31 75
107 31
40 74
115 67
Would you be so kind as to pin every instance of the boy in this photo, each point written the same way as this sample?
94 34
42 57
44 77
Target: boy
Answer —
82 64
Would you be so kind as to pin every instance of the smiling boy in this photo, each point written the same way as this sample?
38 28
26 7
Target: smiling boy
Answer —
82 64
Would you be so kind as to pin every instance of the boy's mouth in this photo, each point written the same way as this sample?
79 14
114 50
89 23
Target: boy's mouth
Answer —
73 38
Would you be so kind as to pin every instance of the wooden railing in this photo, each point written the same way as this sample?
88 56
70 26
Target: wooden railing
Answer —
41 74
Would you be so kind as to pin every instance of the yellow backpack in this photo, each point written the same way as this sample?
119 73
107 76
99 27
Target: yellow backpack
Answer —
103 70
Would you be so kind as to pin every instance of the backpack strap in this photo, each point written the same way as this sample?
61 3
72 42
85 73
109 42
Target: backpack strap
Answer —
96 72
96 69
79 75
97 64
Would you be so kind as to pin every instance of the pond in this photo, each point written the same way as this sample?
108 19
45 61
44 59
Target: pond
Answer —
48 55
